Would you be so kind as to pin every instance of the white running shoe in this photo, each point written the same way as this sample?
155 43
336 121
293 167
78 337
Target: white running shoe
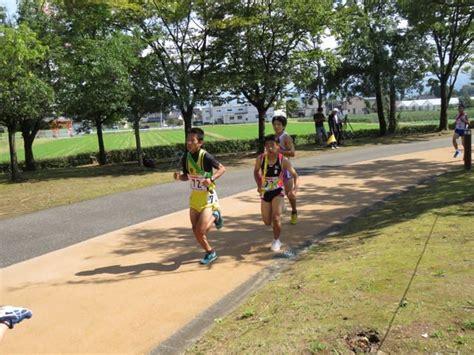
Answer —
11 315
456 153
276 245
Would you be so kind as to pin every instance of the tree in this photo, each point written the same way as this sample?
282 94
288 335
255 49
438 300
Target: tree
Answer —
291 107
97 84
313 69
95 67
465 95
147 96
450 27
433 84
380 55
363 49
3 15
183 36
22 92
263 39
31 13
408 62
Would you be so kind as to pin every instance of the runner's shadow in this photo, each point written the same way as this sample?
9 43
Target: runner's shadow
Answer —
169 265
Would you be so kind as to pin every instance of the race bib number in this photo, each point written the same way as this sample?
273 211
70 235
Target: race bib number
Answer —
196 183
212 198
271 183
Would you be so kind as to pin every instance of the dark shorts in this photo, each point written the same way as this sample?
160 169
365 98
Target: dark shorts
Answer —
459 132
270 195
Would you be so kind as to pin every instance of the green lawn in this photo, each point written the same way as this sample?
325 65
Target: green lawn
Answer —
45 148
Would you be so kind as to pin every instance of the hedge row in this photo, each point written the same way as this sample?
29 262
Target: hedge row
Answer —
169 153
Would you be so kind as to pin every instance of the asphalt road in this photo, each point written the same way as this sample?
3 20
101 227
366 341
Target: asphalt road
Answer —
38 233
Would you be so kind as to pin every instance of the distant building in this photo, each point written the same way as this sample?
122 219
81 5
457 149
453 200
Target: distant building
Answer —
425 104
229 114
356 105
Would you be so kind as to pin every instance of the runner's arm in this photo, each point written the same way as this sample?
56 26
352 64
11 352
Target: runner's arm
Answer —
257 174
210 162
179 175
288 143
289 167
219 172
182 175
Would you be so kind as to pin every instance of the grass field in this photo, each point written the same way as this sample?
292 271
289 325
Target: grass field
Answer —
341 296
45 148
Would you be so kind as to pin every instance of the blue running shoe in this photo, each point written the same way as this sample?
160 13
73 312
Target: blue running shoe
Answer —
209 257
219 222
456 153
13 315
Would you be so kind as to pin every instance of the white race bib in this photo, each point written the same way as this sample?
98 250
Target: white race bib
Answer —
196 183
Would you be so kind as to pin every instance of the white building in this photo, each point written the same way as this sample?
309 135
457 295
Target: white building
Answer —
424 104
232 113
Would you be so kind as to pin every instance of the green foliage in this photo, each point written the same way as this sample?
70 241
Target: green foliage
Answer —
263 38
451 28
25 98
247 314
469 324
185 45
21 52
316 347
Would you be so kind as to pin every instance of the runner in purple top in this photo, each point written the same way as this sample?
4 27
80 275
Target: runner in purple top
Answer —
287 148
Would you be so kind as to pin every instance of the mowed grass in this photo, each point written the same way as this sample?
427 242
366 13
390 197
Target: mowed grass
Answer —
353 282
46 148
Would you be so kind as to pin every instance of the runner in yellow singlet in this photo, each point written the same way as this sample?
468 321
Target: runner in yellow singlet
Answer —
204 209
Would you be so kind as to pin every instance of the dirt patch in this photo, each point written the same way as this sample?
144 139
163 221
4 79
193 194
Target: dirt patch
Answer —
365 341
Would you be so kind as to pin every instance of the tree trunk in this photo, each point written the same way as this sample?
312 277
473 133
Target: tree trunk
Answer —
392 120
136 127
261 127
320 87
187 117
320 101
443 115
100 137
15 173
28 139
379 101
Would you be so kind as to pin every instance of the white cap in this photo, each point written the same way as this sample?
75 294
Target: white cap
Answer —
335 109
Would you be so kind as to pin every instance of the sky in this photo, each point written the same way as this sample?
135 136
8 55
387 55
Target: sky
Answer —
10 5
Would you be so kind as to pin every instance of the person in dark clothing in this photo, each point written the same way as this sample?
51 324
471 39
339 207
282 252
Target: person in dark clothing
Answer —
334 127
319 119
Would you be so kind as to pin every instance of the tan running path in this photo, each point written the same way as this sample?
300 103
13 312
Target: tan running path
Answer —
126 291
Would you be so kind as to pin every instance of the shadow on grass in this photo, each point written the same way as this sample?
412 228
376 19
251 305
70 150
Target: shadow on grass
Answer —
430 197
